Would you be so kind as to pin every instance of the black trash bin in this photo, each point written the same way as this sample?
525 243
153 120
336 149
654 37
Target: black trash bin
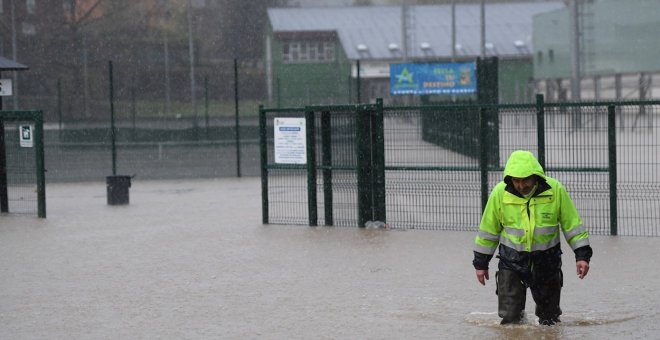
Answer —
118 189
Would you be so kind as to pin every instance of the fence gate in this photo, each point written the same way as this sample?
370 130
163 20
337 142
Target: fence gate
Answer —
323 165
22 180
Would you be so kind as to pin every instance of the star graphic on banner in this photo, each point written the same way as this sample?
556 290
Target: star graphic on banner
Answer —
404 76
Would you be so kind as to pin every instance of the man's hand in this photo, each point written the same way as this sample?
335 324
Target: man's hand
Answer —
482 275
582 268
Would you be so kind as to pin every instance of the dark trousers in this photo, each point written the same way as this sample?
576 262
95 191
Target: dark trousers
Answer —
512 292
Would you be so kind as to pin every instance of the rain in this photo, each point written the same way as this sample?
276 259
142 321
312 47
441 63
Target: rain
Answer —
168 94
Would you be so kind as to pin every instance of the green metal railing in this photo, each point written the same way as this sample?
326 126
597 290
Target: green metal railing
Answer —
22 173
415 167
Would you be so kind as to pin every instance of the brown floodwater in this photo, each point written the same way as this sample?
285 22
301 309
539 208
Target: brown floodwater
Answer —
191 260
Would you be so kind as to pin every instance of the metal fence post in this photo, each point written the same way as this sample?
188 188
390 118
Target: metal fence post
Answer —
540 129
611 152
113 130
4 193
263 155
357 86
311 169
378 156
59 108
40 163
363 141
236 123
483 156
326 162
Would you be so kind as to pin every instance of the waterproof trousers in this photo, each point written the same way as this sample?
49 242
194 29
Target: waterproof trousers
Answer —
512 292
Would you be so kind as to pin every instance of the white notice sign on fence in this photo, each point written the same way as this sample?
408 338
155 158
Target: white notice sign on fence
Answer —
290 141
6 88
26 139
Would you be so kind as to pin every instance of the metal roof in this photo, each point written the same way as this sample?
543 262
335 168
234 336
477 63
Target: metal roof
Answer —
10 65
377 29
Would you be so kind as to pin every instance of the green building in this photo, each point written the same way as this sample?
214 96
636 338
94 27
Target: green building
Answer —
312 53
617 49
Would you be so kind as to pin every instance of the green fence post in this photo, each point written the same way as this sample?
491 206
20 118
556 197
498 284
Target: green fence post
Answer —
350 88
263 153
311 169
279 92
40 163
488 93
378 156
113 131
4 193
206 106
540 129
326 162
133 111
59 108
611 152
483 155
357 86
236 123
364 194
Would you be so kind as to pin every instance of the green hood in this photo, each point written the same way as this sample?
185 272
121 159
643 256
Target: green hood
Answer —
522 164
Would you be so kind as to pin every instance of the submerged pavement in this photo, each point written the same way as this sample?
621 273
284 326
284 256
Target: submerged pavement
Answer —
191 260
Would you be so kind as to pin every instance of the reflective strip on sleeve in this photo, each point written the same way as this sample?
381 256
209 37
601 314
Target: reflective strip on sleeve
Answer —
579 243
488 236
484 250
575 231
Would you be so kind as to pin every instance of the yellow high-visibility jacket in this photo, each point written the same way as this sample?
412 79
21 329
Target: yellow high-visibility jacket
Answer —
528 225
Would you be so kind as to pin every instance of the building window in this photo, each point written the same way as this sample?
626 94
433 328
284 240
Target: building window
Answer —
551 55
28 28
308 51
31 6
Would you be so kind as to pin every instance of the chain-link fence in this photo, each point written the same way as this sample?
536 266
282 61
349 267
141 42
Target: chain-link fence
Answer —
163 129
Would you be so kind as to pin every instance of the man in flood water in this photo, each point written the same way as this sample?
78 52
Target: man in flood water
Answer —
524 215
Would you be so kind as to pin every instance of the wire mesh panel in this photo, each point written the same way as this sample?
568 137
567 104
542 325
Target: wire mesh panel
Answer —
287 191
439 171
638 169
577 155
432 182
22 183
153 149
434 200
336 160
518 131
287 196
21 170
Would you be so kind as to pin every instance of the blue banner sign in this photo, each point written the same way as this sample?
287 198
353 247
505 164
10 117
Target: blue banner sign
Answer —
450 78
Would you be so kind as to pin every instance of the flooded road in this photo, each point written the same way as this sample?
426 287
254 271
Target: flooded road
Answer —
191 260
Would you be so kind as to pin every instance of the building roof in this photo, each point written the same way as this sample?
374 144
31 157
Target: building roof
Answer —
10 65
374 32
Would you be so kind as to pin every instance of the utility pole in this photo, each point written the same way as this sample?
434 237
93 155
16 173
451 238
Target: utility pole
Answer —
575 51
192 65
166 53
483 29
14 52
404 29
453 31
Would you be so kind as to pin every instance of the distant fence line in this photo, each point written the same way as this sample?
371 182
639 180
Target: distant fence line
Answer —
431 167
